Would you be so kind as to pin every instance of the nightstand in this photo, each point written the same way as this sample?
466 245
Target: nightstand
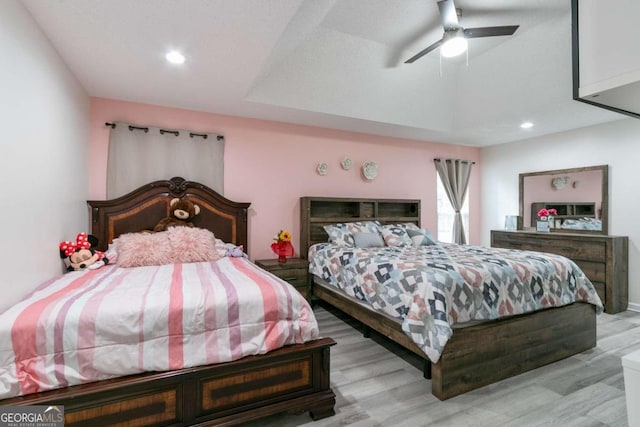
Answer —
294 271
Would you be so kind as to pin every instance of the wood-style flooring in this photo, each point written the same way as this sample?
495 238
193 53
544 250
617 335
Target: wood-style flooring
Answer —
377 383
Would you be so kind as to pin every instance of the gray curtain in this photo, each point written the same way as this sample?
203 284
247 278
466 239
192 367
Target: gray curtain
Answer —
139 155
454 174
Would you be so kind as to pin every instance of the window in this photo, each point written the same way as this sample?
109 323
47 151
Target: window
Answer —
446 215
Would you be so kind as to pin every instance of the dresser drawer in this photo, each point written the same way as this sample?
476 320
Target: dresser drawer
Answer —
294 272
595 271
292 275
583 250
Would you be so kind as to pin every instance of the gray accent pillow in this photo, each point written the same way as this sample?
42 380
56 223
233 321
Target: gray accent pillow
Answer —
365 239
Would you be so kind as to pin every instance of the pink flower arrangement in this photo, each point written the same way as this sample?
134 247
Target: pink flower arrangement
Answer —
545 214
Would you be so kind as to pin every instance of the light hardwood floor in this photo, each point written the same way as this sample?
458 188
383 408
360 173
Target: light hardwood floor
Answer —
379 384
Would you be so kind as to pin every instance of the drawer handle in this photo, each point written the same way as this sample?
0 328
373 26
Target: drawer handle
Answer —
286 279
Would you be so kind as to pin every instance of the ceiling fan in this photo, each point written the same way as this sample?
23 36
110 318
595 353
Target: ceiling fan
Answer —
454 39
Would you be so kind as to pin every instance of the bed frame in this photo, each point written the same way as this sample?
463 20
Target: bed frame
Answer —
290 379
474 356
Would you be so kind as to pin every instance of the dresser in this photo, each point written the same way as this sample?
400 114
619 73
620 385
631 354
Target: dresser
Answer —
604 259
294 271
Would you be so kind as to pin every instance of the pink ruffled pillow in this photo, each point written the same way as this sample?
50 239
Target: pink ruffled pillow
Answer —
191 244
176 245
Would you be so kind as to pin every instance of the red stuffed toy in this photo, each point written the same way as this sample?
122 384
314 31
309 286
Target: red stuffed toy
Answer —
81 255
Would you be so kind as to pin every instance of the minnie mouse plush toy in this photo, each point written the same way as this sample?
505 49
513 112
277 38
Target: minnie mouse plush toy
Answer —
81 255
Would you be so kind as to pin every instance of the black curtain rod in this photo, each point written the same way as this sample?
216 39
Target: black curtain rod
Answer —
131 128
163 131
439 159
203 135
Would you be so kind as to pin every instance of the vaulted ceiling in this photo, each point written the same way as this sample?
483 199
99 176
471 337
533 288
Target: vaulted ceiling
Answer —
330 63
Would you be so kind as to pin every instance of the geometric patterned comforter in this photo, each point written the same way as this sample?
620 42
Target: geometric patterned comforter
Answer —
431 288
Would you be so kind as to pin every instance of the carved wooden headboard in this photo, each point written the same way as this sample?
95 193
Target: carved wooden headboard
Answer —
144 207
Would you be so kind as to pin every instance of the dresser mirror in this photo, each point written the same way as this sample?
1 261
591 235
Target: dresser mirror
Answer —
579 195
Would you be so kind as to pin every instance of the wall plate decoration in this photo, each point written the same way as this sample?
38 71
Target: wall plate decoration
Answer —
322 168
370 170
559 182
346 163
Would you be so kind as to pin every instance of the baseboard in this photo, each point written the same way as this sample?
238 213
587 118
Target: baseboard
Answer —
633 307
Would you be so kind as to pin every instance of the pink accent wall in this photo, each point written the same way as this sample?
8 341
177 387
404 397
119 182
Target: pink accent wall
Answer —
273 164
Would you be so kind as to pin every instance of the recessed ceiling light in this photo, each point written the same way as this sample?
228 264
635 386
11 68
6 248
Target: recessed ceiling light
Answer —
175 57
526 125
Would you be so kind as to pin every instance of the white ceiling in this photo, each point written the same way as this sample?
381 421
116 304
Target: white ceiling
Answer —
330 63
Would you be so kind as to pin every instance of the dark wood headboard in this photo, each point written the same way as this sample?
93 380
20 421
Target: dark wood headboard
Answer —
316 212
144 207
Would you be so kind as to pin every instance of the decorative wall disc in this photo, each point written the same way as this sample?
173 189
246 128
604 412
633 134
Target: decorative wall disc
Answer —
346 163
370 170
322 169
559 182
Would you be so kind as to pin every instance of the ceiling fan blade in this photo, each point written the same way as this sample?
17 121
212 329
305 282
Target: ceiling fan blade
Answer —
448 15
506 30
423 52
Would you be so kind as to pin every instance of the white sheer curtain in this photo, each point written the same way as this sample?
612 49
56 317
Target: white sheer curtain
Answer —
139 155
455 174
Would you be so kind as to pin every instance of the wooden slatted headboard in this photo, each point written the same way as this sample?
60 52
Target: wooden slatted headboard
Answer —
316 212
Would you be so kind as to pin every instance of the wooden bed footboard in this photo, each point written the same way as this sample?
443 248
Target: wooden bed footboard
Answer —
488 352
291 379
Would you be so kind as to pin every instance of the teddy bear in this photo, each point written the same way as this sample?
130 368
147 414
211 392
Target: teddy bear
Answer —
81 255
181 212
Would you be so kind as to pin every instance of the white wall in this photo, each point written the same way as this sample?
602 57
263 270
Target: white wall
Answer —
44 114
616 144
602 67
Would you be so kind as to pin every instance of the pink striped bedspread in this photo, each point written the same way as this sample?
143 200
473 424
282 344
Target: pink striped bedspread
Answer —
99 324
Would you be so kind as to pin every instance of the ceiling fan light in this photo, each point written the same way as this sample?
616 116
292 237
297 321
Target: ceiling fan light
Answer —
175 57
454 46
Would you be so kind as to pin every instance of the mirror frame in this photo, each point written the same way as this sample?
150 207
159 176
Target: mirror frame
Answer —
604 214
